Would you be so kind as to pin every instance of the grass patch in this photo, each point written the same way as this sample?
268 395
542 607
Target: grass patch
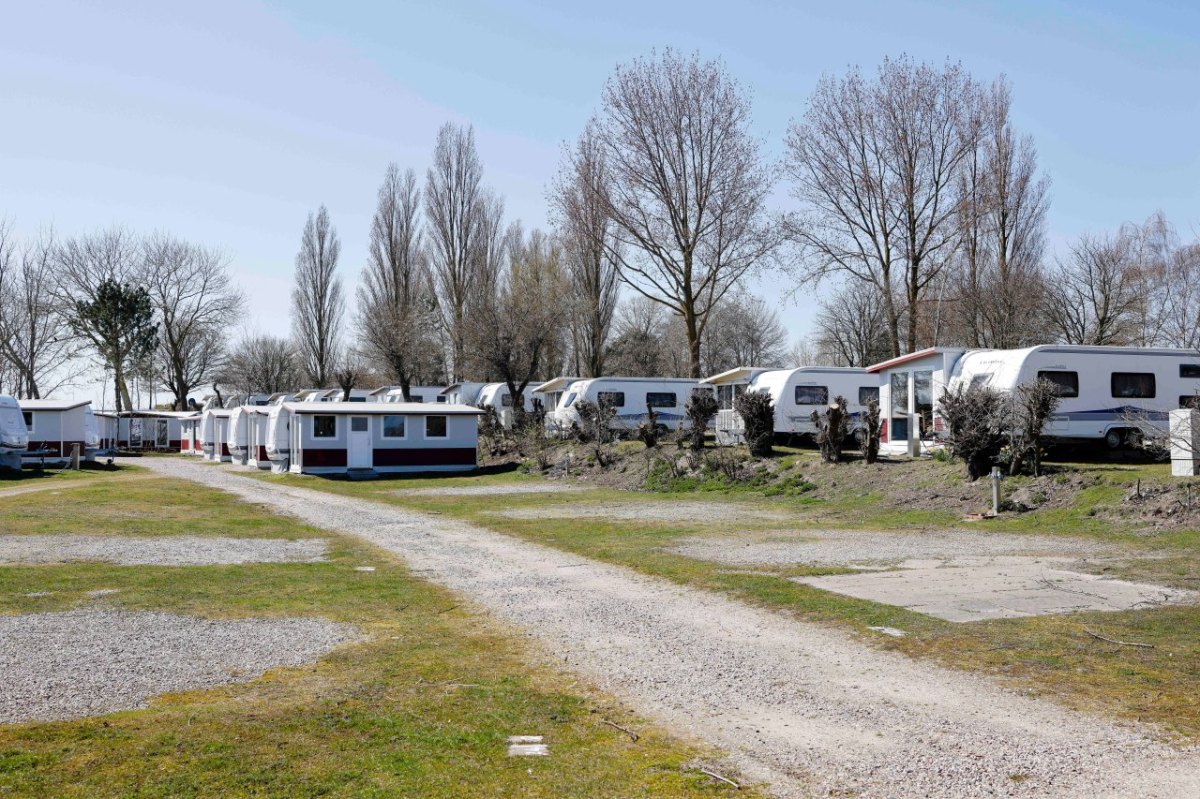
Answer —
420 708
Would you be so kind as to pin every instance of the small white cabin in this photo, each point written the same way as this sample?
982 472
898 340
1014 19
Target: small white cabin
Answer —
161 431
910 387
462 393
338 437
1109 394
56 427
631 397
418 394
796 393
189 429
14 438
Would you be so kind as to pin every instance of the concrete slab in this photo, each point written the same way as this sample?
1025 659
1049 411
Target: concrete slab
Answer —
976 589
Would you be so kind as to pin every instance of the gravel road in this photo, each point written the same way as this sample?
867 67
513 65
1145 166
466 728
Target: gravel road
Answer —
175 550
502 489
87 662
652 510
809 710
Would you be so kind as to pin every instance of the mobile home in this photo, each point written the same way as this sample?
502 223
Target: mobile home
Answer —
796 393
632 398
415 394
339 437
909 389
214 434
1109 394
161 431
56 427
14 437
189 429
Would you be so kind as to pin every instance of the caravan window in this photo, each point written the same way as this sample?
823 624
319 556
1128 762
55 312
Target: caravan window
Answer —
613 398
570 401
357 399
1067 382
660 399
868 394
1189 370
435 426
1133 385
324 427
812 395
441 398
979 381
1190 401
506 401
28 415
393 426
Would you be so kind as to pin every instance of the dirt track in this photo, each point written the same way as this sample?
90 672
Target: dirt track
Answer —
807 709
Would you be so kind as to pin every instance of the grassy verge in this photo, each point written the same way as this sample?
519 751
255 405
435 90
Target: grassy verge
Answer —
1052 656
421 707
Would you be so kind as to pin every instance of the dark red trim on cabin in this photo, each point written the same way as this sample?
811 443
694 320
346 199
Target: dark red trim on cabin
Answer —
261 453
317 458
421 456
224 450
55 449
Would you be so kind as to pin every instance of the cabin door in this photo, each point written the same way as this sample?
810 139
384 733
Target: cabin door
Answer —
359 453
135 433
161 440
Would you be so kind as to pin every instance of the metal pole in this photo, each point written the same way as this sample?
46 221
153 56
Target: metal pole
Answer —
995 478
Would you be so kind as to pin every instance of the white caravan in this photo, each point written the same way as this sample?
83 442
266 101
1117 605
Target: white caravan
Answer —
238 434
552 392
631 398
484 396
278 438
14 437
1109 394
432 394
462 393
796 393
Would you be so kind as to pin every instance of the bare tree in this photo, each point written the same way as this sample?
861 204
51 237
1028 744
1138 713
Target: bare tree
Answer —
35 339
590 248
191 289
512 335
460 215
102 267
637 345
317 302
262 364
396 303
851 327
1166 272
876 164
1095 295
685 187
744 331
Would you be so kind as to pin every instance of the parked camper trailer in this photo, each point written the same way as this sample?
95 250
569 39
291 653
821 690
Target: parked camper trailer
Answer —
1109 394
796 394
552 392
258 429
432 394
56 428
14 438
462 393
338 437
631 399
279 437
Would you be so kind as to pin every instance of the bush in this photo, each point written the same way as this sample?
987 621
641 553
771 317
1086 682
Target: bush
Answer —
1031 408
832 428
648 431
869 427
976 424
596 426
701 408
758 415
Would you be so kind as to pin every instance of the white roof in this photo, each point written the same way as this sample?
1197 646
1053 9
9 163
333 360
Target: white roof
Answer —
52 404
390 408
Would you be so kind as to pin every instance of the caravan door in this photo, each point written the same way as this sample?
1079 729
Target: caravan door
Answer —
359 453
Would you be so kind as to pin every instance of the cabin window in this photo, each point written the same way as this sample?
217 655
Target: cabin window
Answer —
324 427
1190 401
1067 382
660 399
506 401
1133 385
435 426
28 415
812 395
1189 370
358 424
614 398
441 399
979 381
868 394
393 426
358 399
415 398
899 383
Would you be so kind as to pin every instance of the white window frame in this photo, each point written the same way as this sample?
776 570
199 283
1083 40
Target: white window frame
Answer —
383 434
425 427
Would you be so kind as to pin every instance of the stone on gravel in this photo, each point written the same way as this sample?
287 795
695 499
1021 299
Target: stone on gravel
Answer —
85 663
174 550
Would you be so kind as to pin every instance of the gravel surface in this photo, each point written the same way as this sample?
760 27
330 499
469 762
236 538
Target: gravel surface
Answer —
492 490
89 662
651 511
849 548
175 550
810 710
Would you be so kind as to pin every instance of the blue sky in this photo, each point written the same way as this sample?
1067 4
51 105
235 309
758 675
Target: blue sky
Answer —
227 122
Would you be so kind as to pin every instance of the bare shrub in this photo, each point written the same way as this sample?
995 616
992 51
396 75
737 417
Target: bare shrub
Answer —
868 428
758 414
1031 408
832 428
975 421
701 407
648 430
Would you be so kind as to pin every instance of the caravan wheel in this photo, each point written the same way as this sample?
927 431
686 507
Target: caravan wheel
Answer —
1113 439
859 435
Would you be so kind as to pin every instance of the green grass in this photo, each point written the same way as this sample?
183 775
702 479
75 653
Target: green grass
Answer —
1051 655
420 708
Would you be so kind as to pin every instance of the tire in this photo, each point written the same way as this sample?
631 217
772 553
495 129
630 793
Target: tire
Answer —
859 436
1133 439
1114 438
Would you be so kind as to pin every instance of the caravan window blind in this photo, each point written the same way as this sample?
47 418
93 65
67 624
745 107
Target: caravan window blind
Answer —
812 395
1133 385
614 398
1189 370
1067 382
660 399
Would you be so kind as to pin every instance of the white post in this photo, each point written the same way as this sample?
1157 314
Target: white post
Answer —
995 477
1185 442
914 431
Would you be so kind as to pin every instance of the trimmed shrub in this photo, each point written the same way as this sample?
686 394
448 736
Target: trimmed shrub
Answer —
868 428
758 414
832 428
976 426
701 408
